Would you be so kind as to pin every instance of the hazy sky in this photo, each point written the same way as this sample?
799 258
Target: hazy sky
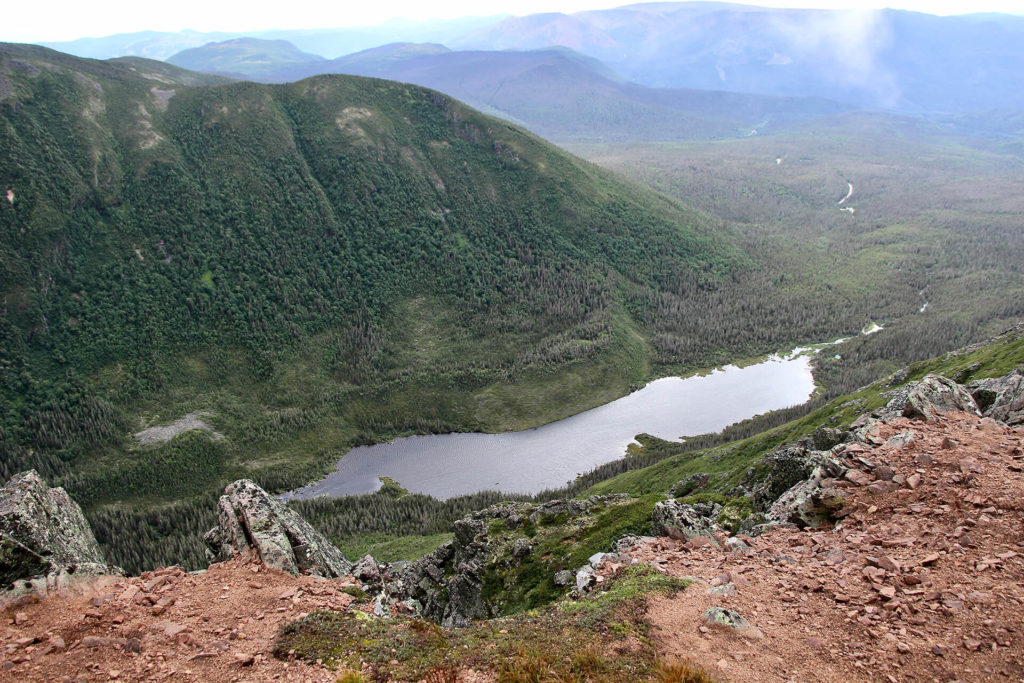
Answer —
68 19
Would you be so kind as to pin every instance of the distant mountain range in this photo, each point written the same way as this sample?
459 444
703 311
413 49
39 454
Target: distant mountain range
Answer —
885 59
329 42
557 93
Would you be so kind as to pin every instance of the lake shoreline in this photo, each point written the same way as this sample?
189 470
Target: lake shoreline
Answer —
550 455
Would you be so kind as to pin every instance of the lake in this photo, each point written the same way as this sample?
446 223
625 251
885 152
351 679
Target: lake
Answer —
448 465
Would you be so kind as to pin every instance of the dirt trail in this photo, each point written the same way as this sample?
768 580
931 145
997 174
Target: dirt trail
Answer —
924 582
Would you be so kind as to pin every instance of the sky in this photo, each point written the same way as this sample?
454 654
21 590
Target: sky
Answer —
69 19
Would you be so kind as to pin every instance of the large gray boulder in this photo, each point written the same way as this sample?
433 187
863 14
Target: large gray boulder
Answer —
251 522
1001 398
782 469
930 397
812 503
43 532
685 520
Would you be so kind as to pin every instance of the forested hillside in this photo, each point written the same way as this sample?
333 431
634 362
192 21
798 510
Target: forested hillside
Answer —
311 265
916 226
336 261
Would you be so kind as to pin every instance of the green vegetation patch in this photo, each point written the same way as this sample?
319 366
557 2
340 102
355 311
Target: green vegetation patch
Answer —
514 584
388 548
602 637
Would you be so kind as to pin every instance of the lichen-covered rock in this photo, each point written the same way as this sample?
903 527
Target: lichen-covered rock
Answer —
825 438
1001 398
564 578
43 532
250 521
685 520
813 502
787 466
721 616
930 397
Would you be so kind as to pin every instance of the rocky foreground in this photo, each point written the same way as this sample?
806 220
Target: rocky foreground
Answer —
890 551
921 580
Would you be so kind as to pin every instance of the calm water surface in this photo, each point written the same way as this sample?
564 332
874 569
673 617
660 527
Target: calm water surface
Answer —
447 465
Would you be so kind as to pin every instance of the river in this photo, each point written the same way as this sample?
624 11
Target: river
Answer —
447 465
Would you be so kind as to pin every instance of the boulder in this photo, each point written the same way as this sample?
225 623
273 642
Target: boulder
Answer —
368 571
727 618
685 520
250 521
787 466
1001 398
43 532
825 438
564 578
812 502
930 397
521 548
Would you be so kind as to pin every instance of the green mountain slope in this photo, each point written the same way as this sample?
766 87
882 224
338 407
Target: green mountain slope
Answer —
314 264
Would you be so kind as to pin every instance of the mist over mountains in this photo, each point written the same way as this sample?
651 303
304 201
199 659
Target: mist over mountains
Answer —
891 60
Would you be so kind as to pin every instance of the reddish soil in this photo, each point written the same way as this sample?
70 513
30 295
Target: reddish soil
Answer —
215 626
921 583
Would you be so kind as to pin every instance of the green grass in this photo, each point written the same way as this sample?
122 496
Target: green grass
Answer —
386 548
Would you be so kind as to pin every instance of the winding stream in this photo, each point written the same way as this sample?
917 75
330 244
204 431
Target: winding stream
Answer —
447 465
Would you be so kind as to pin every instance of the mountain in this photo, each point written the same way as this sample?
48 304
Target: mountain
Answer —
243 57
557 93
329 42
148 44
305 267
888 59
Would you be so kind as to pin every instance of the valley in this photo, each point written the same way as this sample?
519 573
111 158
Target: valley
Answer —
515 348
551 456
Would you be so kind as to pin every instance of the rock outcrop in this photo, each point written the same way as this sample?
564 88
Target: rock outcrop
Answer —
250 521
1001 398
685 520
784 468
43 532
813 502
455 584
929 397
